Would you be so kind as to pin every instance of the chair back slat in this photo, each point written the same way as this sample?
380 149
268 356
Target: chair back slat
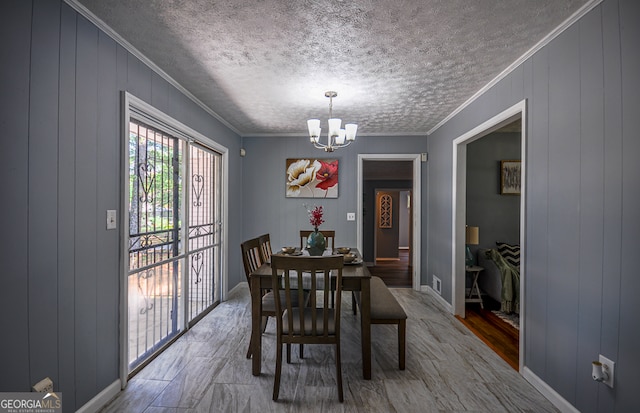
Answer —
251 257
265 247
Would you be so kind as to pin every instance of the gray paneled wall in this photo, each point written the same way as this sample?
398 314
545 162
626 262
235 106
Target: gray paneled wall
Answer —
582 203
264 186
60 104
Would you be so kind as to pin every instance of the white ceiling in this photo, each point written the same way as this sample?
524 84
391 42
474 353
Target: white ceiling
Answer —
400 67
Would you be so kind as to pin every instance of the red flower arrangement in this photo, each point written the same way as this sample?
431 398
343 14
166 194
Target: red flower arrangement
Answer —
315 216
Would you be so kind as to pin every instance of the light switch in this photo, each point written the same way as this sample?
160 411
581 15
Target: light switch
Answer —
111 219
351 216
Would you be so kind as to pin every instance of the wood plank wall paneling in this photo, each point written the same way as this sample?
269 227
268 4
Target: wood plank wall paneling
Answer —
591 214
15 24
108 197
66 205
86 211
563 189
629 357
536 256
43 191
613 192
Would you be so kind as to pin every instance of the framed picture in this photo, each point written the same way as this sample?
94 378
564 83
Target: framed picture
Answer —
312 178
510 177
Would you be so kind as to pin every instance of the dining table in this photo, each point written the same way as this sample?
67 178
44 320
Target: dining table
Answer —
355 277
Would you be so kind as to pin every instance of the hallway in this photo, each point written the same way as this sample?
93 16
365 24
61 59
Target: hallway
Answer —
394 273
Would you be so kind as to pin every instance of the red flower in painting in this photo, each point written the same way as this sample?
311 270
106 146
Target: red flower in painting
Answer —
327 174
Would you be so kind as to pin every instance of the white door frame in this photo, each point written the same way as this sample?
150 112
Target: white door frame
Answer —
130 102
416 209
458 203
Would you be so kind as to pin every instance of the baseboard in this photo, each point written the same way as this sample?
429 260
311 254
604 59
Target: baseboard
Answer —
551 395
429 290
236 289
101 399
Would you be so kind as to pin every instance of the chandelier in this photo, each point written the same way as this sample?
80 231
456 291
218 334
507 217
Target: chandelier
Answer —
337 137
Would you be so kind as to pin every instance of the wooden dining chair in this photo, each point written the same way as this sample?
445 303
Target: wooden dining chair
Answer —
315 323
253 258
329 236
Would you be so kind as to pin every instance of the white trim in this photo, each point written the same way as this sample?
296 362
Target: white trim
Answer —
417 208
237 288
101 399
306 134
82 10
458 205
556 399
429 290
586 8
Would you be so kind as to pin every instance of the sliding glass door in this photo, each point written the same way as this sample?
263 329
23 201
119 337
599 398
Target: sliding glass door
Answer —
170 282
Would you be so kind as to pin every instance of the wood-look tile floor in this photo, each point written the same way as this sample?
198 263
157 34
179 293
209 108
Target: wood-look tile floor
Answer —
448 369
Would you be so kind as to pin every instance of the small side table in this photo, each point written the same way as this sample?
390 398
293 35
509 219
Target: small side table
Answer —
474 293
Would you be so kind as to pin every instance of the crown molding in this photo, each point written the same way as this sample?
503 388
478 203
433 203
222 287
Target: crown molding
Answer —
83 11
586 8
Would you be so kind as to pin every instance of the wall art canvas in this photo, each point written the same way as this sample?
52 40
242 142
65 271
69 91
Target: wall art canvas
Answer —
312 178
510 177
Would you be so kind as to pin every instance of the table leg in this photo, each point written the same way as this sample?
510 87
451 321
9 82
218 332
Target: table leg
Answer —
365 325
256 334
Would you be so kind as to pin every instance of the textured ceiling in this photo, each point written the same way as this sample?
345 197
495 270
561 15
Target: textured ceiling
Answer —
399 67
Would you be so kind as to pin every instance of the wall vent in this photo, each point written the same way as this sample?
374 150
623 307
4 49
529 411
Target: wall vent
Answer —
437 284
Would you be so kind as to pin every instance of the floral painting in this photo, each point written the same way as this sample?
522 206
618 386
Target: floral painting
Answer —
312 178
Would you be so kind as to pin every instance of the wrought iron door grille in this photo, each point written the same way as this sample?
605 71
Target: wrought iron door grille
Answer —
155 252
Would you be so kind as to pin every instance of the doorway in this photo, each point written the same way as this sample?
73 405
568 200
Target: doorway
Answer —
517 111
395 173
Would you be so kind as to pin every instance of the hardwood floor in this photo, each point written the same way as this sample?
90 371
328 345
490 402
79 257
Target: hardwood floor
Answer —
447 369
394 273
495 333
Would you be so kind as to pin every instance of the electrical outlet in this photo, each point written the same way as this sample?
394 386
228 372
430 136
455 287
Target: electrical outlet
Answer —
44 385
351 216
607 367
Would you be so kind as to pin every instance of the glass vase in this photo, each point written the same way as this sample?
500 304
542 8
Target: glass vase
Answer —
316 243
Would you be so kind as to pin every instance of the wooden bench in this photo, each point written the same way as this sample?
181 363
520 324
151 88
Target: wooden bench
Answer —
385 309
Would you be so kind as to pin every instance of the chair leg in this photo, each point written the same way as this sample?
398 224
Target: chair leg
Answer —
354 304
288 353
276 377
339 373
249 349
301 350
263 323
402 333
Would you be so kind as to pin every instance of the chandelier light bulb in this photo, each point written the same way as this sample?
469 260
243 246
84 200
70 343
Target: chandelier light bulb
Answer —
337 137
334 127
351 129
